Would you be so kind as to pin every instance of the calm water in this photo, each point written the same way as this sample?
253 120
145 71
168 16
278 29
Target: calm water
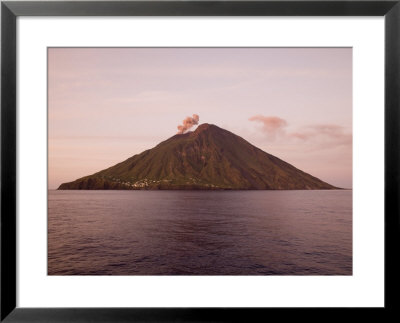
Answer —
200 233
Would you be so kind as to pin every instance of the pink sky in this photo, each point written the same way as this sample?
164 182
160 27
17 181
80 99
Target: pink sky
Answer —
108 104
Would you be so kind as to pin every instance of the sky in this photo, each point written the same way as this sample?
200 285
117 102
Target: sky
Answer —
108 104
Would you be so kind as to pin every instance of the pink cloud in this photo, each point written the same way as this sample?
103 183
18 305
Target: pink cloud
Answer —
271 126
317 135
328 135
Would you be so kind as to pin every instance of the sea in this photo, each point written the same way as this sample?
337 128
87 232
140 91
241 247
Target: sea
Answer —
199 232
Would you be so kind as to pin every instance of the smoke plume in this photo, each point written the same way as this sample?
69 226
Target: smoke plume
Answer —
188 123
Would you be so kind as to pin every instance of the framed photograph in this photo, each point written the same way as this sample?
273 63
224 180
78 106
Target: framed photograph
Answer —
198 160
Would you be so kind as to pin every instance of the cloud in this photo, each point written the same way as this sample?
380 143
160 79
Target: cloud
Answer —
327 135
271 126
316 136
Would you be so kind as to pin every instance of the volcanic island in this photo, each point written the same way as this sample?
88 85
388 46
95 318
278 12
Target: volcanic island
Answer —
209 158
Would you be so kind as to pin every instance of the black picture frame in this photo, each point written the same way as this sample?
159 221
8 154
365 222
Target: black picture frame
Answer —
10 10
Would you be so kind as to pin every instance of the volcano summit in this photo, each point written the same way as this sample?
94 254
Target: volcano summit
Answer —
206 159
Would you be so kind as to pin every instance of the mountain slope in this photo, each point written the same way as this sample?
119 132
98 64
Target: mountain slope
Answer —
208 158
